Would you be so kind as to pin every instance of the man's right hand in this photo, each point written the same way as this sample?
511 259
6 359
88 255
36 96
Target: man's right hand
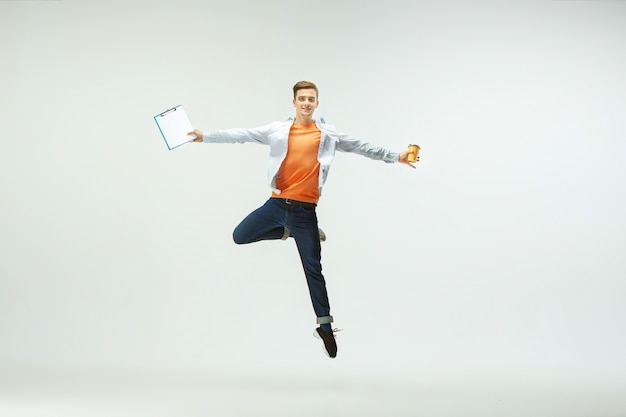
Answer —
198 134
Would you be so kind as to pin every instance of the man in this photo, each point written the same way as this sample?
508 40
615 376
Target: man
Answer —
301 152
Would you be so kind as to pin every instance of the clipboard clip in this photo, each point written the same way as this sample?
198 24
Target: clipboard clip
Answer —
168 111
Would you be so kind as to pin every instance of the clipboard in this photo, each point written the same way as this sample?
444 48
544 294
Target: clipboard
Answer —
174 126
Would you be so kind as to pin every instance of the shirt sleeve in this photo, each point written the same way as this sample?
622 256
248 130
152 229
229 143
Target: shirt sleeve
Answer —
240 135
346 143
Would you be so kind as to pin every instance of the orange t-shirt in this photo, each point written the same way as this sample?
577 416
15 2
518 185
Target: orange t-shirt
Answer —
298 177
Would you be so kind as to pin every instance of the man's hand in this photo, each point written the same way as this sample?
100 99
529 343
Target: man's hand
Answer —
198 135
404 159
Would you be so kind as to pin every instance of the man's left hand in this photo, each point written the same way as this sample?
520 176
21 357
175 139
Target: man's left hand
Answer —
404 159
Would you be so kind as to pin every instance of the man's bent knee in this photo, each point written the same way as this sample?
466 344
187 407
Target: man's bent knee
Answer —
237 238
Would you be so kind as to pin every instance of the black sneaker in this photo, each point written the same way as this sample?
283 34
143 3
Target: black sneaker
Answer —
330 346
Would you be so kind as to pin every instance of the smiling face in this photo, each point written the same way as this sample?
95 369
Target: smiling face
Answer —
305 102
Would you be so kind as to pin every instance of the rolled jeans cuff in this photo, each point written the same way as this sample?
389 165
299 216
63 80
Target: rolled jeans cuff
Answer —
325 320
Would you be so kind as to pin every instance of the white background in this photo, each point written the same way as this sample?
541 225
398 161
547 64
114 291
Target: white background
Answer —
499 261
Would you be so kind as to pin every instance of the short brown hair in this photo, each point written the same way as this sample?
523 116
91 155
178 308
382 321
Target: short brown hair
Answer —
301 85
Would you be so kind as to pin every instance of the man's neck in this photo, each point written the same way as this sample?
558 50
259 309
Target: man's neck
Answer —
303 120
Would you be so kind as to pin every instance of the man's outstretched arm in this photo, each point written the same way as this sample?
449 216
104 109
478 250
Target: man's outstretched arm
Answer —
237 135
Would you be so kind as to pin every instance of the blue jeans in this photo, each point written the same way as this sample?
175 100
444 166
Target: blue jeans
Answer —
268 223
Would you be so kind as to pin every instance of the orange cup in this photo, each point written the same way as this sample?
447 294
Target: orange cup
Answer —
414 151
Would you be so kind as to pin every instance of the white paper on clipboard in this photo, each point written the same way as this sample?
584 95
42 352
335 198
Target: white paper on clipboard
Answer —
174 126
